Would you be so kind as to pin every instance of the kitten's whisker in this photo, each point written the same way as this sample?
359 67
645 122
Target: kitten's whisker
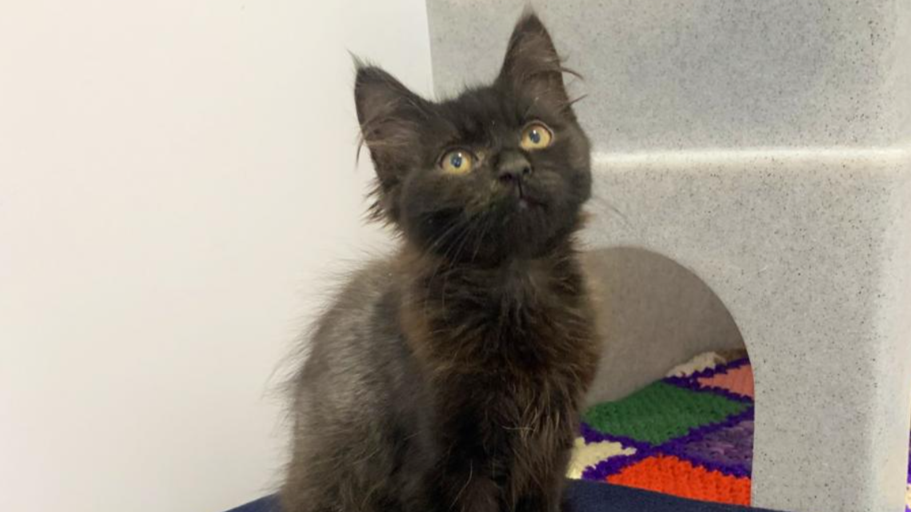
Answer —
573 101
466 235
616 210
459 495
480 239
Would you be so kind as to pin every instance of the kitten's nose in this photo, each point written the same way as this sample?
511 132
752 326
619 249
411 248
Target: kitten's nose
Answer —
513 166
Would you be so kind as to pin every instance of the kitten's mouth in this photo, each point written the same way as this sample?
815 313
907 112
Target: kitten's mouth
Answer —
526 201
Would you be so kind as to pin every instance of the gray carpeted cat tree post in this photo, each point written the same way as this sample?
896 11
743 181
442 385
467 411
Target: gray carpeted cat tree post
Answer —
766 148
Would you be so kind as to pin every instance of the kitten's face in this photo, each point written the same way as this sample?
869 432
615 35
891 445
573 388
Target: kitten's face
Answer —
499 171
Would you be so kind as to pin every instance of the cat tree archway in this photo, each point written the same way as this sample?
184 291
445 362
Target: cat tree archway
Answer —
767 148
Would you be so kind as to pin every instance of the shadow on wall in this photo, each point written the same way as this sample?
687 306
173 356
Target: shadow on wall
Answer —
654 314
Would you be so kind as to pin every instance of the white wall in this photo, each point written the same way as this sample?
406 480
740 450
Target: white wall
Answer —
175 177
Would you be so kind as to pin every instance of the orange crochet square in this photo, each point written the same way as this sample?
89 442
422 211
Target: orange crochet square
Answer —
736 380
670 475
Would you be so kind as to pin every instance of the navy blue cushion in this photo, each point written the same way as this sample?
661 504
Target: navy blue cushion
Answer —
267 504
583 496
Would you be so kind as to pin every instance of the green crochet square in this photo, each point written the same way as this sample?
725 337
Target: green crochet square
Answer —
660 412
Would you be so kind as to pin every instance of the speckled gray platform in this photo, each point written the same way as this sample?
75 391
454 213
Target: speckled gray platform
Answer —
766 148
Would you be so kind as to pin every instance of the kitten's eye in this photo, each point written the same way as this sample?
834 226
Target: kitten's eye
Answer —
457 161
536 136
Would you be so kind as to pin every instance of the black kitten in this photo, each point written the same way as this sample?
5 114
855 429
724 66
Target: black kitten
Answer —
450 376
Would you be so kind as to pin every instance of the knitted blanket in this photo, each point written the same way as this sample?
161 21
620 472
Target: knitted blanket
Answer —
688 435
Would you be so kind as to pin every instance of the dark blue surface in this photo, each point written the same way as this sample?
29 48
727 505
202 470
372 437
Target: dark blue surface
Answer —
582 496
267 504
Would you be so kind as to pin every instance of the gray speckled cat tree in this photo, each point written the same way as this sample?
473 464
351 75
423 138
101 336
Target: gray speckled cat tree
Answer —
766 147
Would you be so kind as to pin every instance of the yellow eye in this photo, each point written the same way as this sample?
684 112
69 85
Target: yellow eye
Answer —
536 136
457 161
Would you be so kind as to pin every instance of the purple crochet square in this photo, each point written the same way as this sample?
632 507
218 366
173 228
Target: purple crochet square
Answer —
728 449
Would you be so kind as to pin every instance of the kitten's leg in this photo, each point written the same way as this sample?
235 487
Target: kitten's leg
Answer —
339 468
547 481
545 498
462 488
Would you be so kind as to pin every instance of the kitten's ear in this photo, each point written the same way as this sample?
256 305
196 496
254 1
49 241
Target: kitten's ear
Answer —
391 117
533 65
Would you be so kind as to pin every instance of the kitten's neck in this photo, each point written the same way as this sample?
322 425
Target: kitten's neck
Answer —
427 270
461 318
450 293
560 249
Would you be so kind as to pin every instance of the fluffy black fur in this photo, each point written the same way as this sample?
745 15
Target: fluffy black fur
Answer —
450 376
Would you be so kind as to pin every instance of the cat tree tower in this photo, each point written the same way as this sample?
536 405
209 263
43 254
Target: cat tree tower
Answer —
765 147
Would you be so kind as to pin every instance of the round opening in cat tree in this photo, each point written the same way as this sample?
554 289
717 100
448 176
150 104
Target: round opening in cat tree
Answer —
654 314
671 409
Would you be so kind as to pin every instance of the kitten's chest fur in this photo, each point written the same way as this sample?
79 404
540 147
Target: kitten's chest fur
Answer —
524 316
509 351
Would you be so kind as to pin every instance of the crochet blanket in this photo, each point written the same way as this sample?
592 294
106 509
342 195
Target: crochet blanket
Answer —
688 435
